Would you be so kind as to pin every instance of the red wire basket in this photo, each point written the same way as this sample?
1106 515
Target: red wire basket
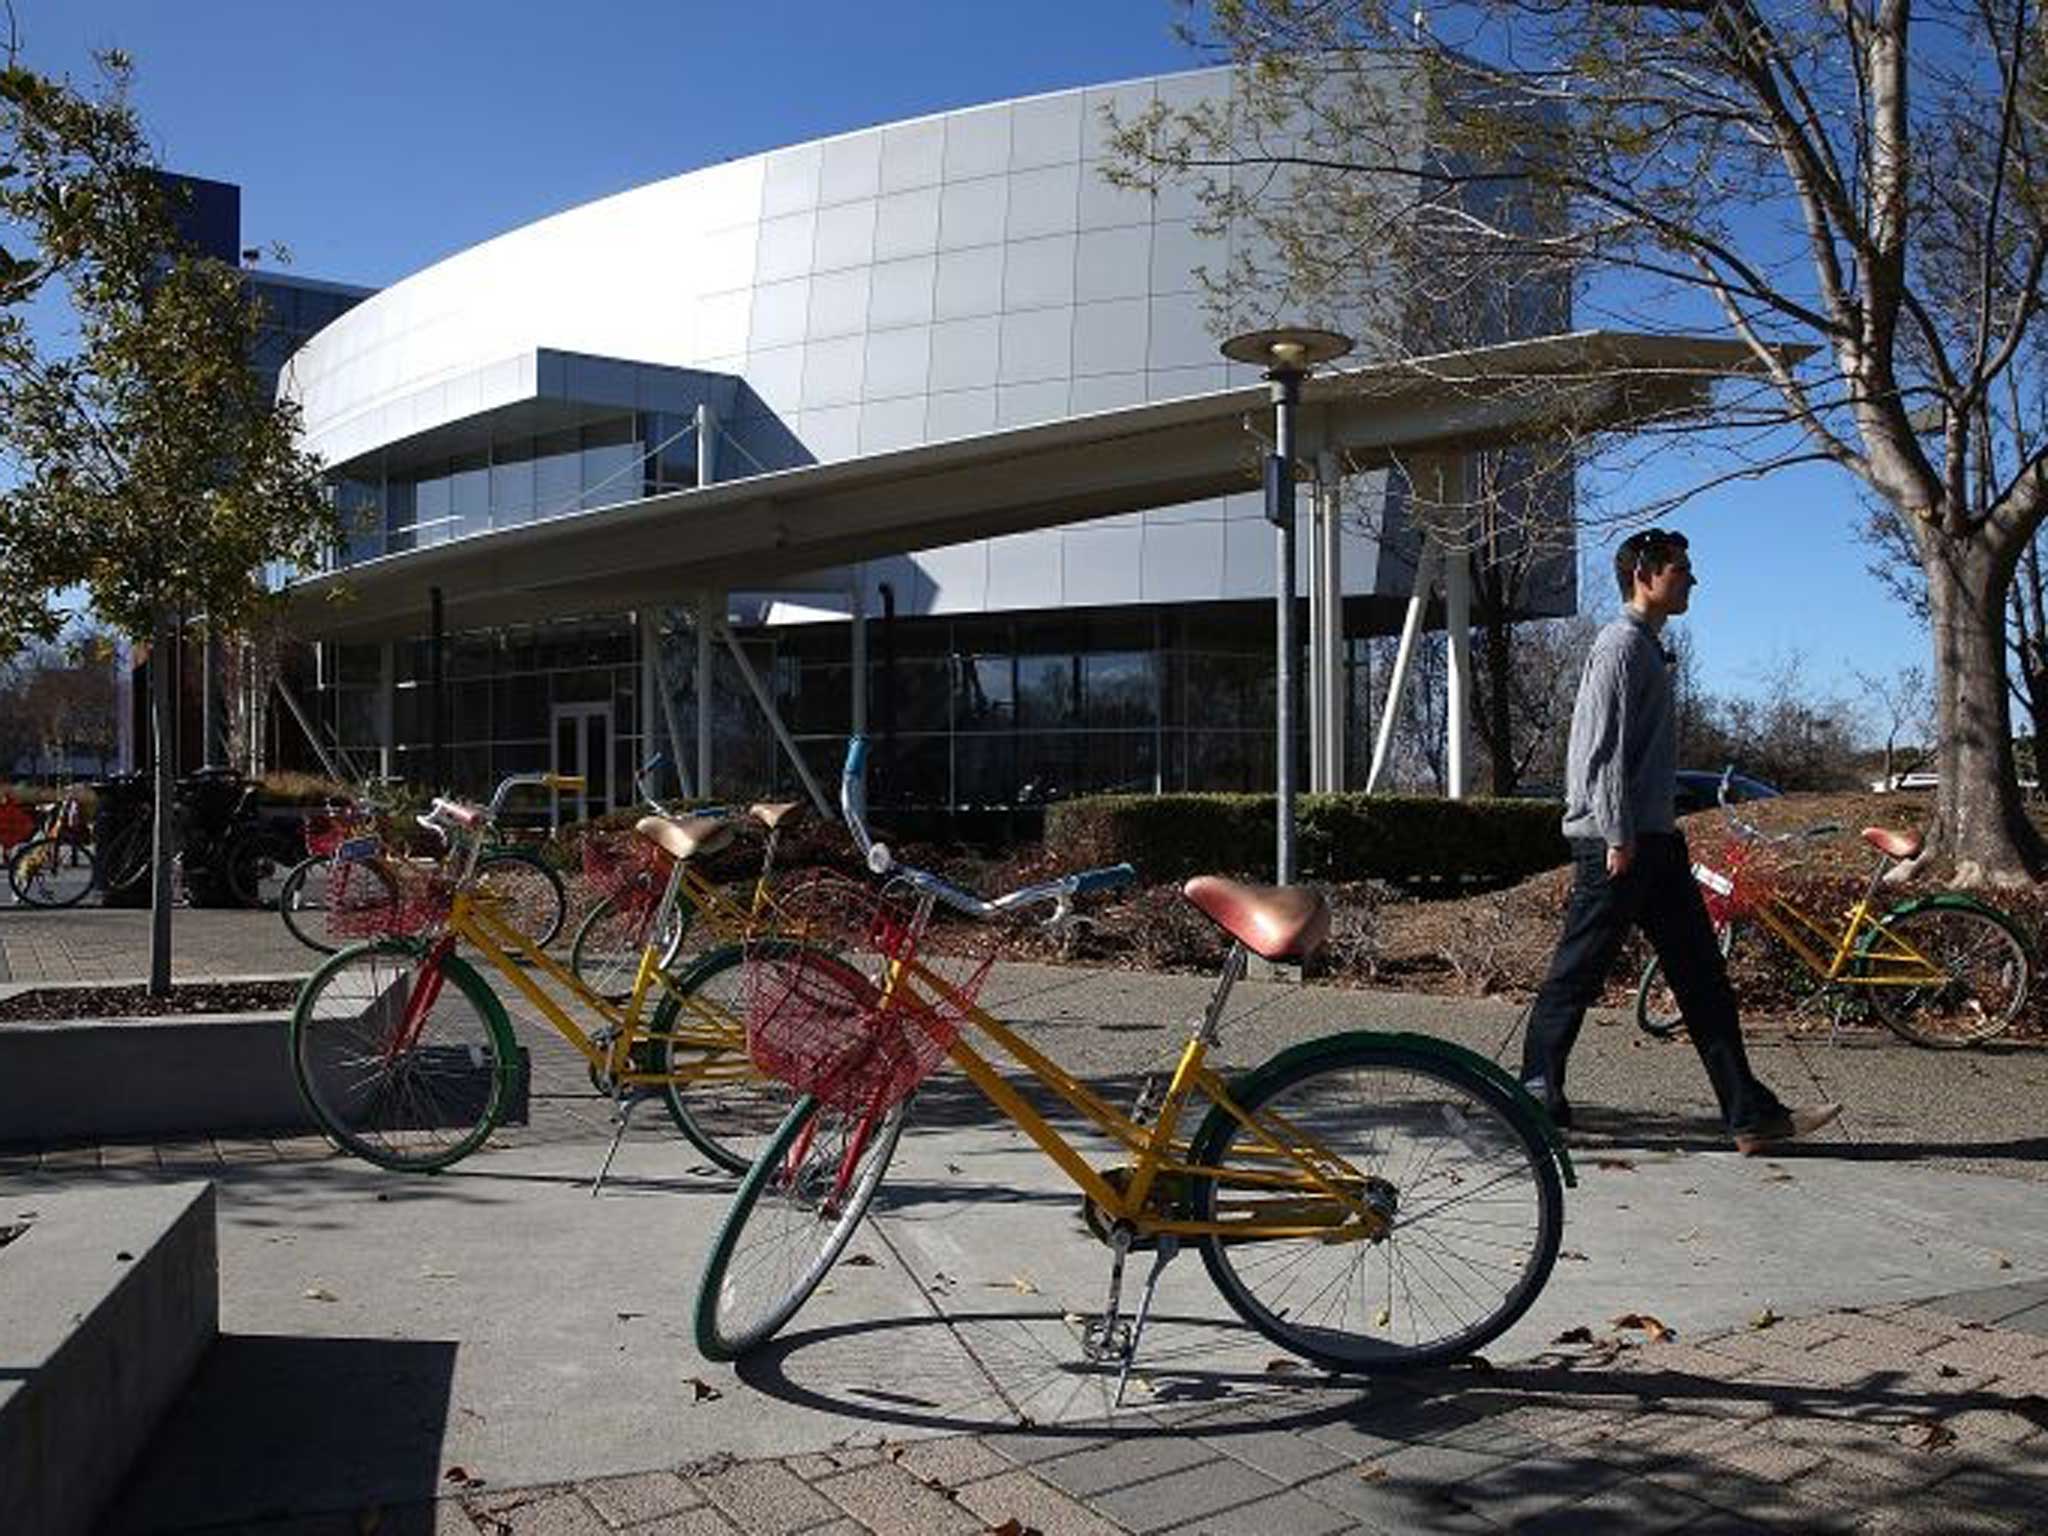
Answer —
375 897
328 830
828 1024
625 868
1735 880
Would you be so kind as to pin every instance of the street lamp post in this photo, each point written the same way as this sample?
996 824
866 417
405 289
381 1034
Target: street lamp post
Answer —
1286 354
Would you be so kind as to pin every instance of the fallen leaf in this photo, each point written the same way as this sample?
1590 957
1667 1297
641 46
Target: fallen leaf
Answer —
438 1274
942 1283
1780 1177
1946 1371
1643 1322
1615 1164
1372 1472
1689 1234
462 1478
1928 1435
319 1293
1764 1319
1023 1285
1381 1318
1579 1335
1013 1527
2004 1262
701 1391
954 1168
860 1261
1574 1255
627 1317
1282 1366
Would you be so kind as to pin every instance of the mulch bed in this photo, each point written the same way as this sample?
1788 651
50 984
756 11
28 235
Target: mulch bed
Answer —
134 1001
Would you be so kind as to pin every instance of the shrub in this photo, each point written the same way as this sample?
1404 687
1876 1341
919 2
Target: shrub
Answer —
1341 837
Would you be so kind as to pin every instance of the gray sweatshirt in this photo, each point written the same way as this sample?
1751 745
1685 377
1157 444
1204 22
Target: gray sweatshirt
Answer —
1621 770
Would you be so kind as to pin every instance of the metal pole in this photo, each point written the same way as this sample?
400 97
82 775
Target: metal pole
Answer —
767 702
1286 390
710 610
1332 534
857 598
437 736
1397 682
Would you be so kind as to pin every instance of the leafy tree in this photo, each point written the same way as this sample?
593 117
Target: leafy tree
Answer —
152 472
1855 190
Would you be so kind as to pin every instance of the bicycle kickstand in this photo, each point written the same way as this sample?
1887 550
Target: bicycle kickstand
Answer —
1169 1245
622 1115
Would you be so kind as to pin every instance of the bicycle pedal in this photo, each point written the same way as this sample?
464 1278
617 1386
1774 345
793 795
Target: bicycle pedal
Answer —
1106 1339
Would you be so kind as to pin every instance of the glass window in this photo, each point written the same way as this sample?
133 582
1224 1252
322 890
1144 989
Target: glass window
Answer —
986 693
512 482
610 457
557 473
471 714
1119 688
519 704
985 769
674 445
469 497
359 663
1048 690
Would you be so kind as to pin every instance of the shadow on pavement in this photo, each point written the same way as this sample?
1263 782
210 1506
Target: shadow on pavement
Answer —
297 1426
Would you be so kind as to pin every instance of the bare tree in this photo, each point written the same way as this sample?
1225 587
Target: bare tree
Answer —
1901 704
1854 190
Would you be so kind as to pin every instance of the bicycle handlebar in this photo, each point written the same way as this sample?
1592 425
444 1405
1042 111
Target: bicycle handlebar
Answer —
853 798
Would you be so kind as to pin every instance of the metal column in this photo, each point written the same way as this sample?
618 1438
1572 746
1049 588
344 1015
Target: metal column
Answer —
857 599
710 615
767 704
1326 631
1397 684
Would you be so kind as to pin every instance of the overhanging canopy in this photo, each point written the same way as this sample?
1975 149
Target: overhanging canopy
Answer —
757 532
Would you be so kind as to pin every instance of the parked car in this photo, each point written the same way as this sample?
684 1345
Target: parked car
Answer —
1699 790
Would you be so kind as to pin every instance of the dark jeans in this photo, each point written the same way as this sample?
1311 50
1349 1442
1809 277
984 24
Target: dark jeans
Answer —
1659 894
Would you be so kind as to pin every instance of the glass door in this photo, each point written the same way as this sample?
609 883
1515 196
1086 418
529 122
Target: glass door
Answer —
583 748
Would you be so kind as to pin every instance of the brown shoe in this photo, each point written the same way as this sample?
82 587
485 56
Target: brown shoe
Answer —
1786 1125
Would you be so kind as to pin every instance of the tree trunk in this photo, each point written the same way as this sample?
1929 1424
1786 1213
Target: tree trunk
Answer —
1500 707
1977 820
162 701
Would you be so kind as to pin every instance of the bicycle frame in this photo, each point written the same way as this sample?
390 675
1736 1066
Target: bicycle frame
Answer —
1160 1152
1832 955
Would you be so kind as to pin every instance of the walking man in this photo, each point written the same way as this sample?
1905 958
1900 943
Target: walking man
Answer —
1630 865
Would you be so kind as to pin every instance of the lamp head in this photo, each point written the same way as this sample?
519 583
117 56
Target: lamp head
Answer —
1287 350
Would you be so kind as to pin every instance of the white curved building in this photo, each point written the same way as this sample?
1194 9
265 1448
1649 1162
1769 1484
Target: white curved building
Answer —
943 279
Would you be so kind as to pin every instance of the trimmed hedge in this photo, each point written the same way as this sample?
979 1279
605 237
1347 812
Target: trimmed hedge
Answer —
1340 837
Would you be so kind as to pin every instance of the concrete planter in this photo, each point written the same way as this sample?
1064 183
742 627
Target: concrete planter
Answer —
188 1075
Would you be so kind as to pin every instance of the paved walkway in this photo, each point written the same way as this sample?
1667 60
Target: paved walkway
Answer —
1861 1330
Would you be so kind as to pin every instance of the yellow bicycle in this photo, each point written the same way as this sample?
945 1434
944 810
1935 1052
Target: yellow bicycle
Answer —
1940 971
1370 1201
405 1056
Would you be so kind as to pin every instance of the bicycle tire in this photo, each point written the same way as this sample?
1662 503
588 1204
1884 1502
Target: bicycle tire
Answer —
255 874
302 904
390 1106
1987 959
605 954
797 1207
35 867
529 893
1657 1012
727 1109
1464 1135
128 854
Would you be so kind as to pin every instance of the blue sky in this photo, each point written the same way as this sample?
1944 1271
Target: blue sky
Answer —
374 139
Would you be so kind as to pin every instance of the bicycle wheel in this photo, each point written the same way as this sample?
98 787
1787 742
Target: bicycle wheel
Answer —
794 1214
1473 1193
126 858
605 955
1983 963
402 1066
302 903
256 874
1657 1012
716 1096
527 892
50 872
